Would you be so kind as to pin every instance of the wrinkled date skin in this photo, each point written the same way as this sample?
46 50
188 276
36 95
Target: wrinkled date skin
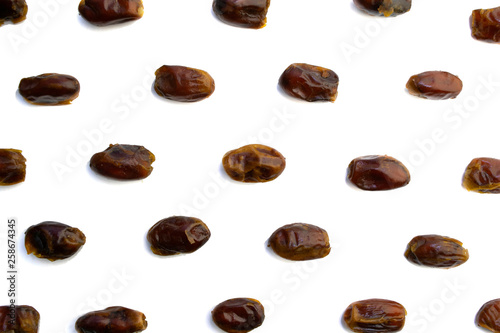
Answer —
253 163
300 241
183 84
238 315
436 251
27 319
435 85
488 316
310 83
53 240
13 10
375 315
377 173
242 13
482 175
115 319
384 7
49 89
485 25
178 234
123 162
12 167
108 12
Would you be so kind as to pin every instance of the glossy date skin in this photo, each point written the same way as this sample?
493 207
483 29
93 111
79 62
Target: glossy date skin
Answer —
488 316
300 241
178 234
242 13
436 85
310 83
183 84
377 173
27 319
253 163
108 12
49 89
12 167
115 319
53 240
375 315
482 175
436 251
238 315
384 7
485 25
13 10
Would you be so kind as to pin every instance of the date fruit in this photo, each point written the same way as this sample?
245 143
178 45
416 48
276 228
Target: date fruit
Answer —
310 83
253 163
488 316
482 175
12 167
375 315
49 89
485 25
435 85
384 7
53 240
108 12
13 10
183 84
300 241
377 173
178 234
242 13
124 162
115 319
27 319
238 315
436 251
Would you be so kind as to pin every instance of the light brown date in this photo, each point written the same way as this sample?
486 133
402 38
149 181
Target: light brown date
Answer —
242 13
436 251
13 10
488 316
49 89
384 7
115 319
183 84
107 12
12 167
485 25
377 173
437 85
238 315
26 319
375 315
482 175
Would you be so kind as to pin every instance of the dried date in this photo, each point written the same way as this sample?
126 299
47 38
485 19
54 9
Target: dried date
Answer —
485 25
375 315
108 12
377 173
27 319
115 319
384 7
183 84
238 315
482 175
435 85
12 167
13 10
242 13
49 89
488 316
436 251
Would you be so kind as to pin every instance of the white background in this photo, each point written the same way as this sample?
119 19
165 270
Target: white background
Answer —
373 114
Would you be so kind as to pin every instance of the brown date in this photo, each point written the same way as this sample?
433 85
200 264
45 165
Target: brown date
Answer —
435 85
12 167
238 315
183 84
242 13
384 7
485 25
375 315
436 251
13 10
124 162
53 240
377 173
482 175
49 89
108 12
253 163
115 319
178 234
488 316
27 319
310 83
300 241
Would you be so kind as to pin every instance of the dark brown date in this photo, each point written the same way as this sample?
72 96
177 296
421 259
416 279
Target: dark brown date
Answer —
124 162
300 241
436 251
183 84
375 315
254 163
12 167
482 175
238 315
107 12
485 25
377 173
434 85
384 7
115 319
27 319
53 240
488 316
49 89
310 83
13 10
178 234
242 13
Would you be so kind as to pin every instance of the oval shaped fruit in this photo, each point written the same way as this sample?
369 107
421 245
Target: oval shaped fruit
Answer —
253 163
242 13
13 10
53 240
27 319
12 167
238 315
377 172
375 315
107 12
435 85
384 7
482 175
436 251
485 25
49 89
183 84
115 319
124 162
300 241
178 234
488 316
